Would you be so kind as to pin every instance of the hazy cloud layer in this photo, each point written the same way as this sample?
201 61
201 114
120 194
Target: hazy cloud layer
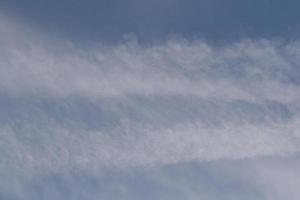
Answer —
65 108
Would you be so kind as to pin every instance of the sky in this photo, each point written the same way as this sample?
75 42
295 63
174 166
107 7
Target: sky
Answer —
149 100
154 21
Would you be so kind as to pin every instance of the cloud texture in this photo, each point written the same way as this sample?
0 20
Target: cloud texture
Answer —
65 107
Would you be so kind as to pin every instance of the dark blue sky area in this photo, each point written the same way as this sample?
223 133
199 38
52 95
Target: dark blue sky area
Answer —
155 20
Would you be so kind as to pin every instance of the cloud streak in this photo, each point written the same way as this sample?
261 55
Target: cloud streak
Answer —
192 84
177 67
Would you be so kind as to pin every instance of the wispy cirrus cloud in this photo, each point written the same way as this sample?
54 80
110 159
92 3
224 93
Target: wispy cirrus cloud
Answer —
135 106
177 67
255 72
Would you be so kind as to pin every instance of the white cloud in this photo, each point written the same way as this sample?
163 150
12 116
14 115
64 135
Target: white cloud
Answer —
255 71
248 70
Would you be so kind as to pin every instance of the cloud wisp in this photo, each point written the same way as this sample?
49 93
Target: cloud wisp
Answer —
242 81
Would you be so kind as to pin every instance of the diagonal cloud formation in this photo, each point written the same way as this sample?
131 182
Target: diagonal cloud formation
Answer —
167 103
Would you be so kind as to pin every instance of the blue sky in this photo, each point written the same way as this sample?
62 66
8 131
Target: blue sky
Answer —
149 100
109 21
